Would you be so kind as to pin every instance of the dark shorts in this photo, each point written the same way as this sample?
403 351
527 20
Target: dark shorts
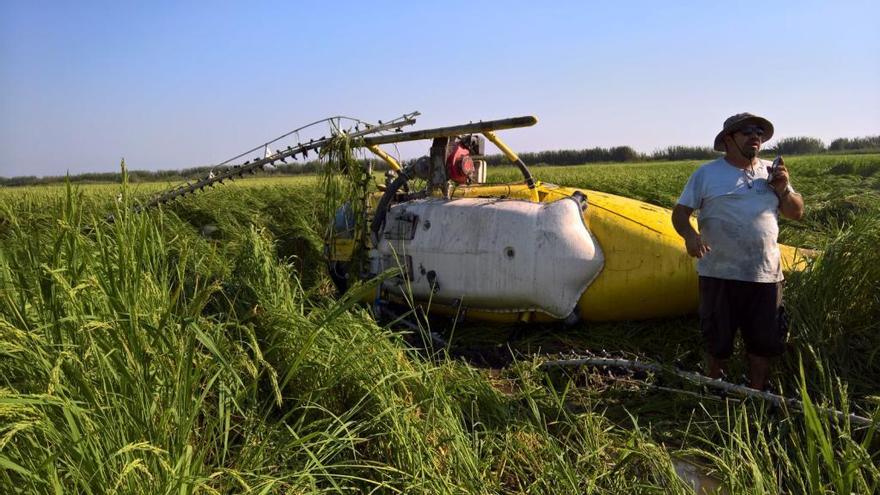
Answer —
754 308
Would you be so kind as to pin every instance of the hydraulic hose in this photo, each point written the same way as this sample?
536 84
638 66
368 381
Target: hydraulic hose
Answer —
384 203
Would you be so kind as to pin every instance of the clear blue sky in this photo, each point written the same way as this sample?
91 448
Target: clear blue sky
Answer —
180 84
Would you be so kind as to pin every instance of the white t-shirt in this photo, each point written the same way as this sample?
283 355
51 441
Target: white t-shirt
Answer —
738 214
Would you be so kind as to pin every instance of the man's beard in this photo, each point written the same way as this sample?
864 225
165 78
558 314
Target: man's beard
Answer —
746 151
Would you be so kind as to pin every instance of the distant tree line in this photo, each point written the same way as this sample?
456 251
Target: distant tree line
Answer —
617 154
810 145
574 157
193 173
870 143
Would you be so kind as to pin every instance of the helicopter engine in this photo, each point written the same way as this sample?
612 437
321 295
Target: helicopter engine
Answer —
461 168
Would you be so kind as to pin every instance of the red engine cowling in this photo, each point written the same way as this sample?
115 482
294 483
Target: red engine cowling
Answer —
460 165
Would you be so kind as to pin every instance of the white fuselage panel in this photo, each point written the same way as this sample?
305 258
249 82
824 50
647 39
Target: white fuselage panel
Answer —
492 254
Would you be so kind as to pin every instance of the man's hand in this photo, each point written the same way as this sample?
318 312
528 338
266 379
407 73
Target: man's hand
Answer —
779 178
693 243
695 246
791 204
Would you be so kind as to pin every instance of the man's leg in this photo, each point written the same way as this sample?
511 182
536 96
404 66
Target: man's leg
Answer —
764 332
759 372
716 325
717 367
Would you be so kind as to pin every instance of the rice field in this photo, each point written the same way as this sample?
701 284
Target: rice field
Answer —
200 349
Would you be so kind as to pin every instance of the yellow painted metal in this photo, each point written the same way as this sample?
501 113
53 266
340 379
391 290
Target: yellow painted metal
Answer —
533 194
647 272
509 153
341 249
505 191
385 156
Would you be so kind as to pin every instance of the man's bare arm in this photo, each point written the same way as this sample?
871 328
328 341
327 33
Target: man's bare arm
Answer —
791 204
681 220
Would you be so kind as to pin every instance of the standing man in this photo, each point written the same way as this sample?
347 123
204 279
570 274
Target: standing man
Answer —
739 198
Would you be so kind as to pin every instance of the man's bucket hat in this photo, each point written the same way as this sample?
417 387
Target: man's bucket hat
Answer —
737 122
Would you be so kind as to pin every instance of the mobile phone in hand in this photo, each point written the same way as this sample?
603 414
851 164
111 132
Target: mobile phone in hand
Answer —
775 164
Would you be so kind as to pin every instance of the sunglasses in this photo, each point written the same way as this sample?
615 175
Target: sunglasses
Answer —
752 129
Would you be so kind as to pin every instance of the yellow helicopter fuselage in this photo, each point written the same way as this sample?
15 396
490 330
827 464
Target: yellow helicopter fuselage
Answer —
646 273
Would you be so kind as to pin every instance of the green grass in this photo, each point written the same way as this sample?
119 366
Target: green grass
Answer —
154 355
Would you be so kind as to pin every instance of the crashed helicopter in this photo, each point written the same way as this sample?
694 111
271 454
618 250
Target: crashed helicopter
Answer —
524 251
